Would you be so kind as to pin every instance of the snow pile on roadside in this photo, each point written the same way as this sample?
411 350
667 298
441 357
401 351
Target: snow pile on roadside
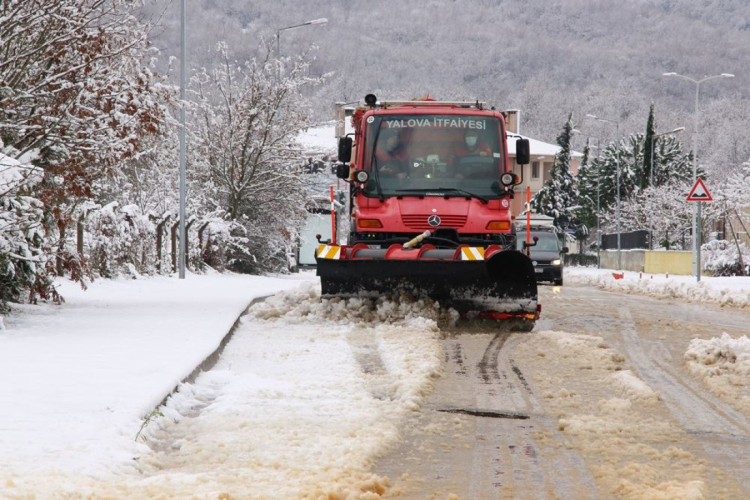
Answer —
306 396
734 291
723 364
610 412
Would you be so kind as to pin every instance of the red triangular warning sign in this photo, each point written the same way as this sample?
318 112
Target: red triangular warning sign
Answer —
699 192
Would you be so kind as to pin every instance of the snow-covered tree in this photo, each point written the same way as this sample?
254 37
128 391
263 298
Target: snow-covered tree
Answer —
725 258
77 97
664 208
245 119
22 252
735 191
671 165
559 196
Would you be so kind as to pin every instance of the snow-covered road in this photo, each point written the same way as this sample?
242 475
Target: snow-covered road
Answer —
612 396
600 401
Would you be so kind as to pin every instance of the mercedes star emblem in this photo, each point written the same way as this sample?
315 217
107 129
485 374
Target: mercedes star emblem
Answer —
433 220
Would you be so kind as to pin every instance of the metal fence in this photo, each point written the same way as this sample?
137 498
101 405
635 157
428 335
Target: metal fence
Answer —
630 240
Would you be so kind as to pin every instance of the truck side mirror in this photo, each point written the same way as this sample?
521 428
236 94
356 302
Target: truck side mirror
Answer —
523 151
345 149
342 171
565 250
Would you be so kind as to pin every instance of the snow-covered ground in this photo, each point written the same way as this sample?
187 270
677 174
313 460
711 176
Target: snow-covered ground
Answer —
722 363
77 379
304 398
285 413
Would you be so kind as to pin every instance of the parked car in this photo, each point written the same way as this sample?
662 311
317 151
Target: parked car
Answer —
546 255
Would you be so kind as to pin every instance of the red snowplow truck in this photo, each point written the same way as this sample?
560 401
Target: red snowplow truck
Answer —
430 190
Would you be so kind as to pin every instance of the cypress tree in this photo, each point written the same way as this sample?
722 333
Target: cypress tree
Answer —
647 161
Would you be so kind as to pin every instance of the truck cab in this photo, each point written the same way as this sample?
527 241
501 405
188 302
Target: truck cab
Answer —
414 168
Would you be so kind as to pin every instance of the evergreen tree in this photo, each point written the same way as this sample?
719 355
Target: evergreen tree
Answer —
647 146
670 163
559 196
671 166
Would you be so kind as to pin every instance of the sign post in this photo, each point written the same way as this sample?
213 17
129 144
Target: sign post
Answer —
699 194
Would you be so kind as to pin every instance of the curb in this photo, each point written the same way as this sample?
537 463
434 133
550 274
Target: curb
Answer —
212 358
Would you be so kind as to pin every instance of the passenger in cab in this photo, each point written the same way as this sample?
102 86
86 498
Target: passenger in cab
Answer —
390 155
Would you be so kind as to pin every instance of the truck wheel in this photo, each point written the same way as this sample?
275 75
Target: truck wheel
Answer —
559 282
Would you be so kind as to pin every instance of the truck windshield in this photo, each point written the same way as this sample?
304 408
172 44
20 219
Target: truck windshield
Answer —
406 154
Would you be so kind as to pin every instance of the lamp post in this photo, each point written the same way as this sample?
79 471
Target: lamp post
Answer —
183 228
598 184
322 20
651 183
617 188
696 208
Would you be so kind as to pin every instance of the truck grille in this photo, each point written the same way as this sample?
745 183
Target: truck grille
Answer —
419 222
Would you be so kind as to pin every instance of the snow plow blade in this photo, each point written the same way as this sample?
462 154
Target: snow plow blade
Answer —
501 285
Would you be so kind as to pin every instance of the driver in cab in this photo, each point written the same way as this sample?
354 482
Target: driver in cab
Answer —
390 155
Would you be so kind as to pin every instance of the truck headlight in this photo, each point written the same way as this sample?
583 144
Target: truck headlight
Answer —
556 262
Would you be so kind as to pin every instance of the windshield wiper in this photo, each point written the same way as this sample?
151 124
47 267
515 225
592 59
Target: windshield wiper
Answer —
440 191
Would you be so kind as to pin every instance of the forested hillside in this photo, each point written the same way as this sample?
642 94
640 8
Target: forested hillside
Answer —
546 58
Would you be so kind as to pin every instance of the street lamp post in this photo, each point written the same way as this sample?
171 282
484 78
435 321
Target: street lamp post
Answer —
598 184
651 183
322 20
696 208
183 227
617 188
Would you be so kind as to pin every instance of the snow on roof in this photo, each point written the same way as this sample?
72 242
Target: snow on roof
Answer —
538 148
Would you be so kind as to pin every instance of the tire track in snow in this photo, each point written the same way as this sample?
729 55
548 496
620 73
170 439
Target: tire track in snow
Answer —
495 453
364 346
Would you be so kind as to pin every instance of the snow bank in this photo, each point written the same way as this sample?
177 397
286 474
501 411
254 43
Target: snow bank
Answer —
723 365
729 291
